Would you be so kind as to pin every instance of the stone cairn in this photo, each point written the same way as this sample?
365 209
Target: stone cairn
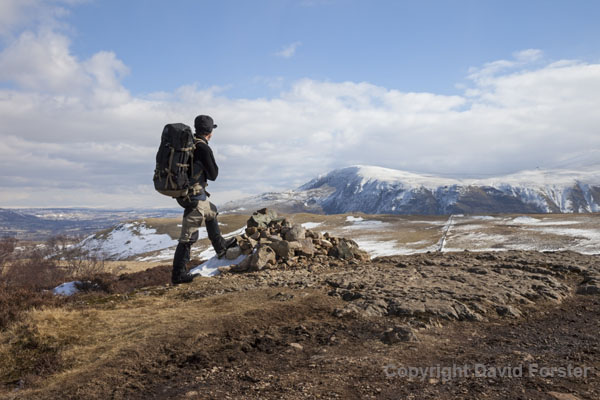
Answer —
271 241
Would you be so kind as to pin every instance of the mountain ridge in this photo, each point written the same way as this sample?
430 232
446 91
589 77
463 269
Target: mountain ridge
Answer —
378 190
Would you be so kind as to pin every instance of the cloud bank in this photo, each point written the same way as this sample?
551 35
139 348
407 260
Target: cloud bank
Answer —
73 135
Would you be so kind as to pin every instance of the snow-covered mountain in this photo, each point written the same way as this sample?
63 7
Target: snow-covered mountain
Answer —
376 190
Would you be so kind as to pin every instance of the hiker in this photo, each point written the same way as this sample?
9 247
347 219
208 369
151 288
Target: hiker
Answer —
196 204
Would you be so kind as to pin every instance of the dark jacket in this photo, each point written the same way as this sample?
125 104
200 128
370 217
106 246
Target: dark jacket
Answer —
205 168
204 160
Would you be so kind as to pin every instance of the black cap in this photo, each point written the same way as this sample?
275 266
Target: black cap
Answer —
204 124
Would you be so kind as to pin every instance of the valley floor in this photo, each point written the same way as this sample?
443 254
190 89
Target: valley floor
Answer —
386 235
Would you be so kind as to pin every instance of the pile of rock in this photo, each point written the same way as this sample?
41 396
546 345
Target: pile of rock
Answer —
272 241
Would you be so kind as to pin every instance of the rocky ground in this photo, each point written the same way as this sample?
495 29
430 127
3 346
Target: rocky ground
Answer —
497 325
481 313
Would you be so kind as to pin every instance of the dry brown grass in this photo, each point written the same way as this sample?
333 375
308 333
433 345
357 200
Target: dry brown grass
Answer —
59 350
129 267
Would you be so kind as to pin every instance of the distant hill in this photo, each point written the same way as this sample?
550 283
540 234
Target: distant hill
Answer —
26 226
376 190
16 217
43 223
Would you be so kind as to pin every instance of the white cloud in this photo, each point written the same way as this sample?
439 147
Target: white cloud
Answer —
72 134
289 50
489 70
15 14
529 55
42 62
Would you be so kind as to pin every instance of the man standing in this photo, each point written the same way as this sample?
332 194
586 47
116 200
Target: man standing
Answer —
196 204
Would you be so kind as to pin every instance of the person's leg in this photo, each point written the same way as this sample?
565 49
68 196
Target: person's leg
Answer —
182 257
219 243
192 220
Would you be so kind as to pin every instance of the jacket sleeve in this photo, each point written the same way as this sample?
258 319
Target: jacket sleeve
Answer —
205 154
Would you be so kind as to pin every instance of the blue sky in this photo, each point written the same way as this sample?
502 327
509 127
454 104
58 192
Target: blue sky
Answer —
406 45
458 88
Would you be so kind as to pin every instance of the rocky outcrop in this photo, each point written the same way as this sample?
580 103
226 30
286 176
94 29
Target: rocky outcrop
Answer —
428 289
272 241
470 287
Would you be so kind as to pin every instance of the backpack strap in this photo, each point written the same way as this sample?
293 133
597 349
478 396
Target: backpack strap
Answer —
168 169
170 181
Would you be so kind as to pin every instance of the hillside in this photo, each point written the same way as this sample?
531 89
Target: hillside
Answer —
376 190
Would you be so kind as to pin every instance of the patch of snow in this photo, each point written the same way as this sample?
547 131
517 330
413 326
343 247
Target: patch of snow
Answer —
592 235
484 217
167 254
506 247
417 243
366 225
207 253
377 248
474 239
350 218
311 225
210 267
235 210
467 227
236 232
202 233
382 248
557 223
66 289
397 177
163 255
525 220
429 222
127 240
361 223
552 222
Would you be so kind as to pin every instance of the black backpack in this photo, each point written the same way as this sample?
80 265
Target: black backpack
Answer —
174 161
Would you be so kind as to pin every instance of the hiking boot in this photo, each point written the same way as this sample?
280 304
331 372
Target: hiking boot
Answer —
227 244
185 277
180 260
